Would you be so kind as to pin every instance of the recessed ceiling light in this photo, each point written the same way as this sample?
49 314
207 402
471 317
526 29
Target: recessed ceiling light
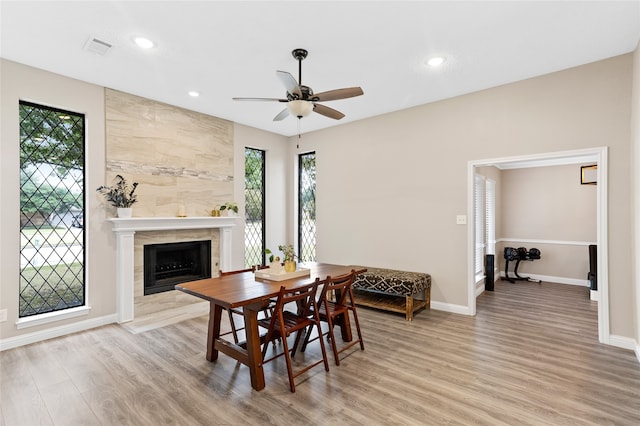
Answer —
194 94
145 43
436 61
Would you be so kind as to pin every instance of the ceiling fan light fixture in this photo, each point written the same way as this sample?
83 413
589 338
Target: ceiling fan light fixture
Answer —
299 108
300 99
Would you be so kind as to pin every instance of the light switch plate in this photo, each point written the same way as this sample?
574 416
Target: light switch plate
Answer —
3 315
461 219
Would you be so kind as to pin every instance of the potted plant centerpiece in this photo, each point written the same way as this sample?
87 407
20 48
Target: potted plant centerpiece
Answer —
289 257
121 195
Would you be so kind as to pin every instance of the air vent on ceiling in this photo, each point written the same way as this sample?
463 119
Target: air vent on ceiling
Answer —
98 46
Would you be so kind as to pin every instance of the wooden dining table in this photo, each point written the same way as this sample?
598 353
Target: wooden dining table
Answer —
251 294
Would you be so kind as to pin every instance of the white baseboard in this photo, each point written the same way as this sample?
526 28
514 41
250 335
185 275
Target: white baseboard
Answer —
594 295
624 343
552 279
449 307
38 336
637 351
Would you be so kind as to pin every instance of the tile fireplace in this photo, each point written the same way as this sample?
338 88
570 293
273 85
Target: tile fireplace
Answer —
168 264
126 228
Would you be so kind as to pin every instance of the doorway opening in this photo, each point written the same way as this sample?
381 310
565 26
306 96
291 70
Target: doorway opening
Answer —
596 156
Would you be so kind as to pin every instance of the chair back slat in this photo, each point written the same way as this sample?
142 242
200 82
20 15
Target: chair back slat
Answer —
338 310
232 323
303 297
284 322
341 286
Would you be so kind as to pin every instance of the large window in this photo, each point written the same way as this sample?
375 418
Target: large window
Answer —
478 195
52 254
307 207
254 195
490 216
484 195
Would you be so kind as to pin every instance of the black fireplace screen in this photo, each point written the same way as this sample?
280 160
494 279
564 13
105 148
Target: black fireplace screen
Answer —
166 265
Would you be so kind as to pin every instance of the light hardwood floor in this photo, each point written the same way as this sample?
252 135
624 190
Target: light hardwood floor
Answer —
530 357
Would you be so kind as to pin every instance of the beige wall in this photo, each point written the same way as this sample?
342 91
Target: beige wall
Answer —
277 185
635 190
389 188
178 157
549 206
19 82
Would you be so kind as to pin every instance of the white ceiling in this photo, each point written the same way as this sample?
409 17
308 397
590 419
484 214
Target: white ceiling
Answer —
232 49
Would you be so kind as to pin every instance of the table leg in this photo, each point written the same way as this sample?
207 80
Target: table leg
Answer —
345 327
253 347
215 314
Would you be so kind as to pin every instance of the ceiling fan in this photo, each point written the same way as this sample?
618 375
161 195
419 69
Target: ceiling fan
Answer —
301 100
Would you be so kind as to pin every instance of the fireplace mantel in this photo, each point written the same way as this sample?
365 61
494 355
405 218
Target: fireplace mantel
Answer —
170 223
125 228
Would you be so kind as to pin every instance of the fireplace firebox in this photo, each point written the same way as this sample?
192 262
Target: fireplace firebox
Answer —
166 265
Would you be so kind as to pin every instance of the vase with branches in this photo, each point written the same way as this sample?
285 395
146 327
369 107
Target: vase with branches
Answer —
120 194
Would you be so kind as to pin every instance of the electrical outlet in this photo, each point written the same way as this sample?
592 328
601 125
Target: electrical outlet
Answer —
3 315
461 219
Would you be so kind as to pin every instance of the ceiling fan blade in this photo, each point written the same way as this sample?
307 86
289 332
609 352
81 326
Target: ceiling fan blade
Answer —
327 112
290 83
282 115
261 99
334 95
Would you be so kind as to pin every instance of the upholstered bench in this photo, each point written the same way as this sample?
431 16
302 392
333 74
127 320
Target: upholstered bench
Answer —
392 290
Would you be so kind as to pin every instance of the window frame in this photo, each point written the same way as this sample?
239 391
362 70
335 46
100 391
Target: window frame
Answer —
263 207
490 216
479 218
300 208
40 318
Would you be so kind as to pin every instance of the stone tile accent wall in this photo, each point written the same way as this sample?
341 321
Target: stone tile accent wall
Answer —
178 157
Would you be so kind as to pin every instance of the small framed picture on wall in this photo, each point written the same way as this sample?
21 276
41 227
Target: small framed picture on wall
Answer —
589 175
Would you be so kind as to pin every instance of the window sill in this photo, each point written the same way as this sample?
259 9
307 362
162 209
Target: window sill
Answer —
49 317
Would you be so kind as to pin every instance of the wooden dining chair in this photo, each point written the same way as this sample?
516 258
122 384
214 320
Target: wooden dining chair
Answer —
284 322
237 311
341 287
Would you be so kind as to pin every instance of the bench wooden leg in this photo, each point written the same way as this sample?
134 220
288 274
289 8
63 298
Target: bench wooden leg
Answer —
409 307
409 303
